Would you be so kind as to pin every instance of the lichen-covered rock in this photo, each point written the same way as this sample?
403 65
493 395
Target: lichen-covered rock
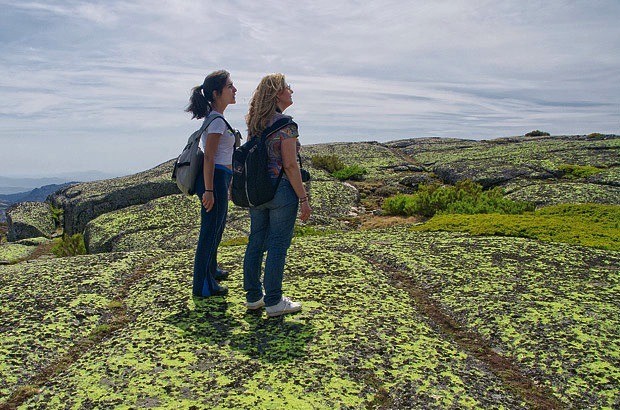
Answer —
48 305
29 220
84 202
414 181
543 193
523 162
380 161
12 252
170 222
361 340
173 222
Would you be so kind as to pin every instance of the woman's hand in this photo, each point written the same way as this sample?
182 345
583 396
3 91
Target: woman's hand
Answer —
208 200
305 211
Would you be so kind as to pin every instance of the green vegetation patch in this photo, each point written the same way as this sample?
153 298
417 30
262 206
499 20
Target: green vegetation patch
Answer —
69 245
330 163
588 225
578 171
466 197
352 172
377 159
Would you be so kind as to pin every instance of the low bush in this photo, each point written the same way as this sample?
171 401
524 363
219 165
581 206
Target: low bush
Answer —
56 214
334 165
592 225
353 172
537 133
595 135
330 163
578 171
466 197
69 245
307 230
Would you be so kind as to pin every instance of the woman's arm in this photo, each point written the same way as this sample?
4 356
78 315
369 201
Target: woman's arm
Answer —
211 145
288 149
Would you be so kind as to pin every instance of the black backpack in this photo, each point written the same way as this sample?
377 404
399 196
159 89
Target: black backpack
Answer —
251 182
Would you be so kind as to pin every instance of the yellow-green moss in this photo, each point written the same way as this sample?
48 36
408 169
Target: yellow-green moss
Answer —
588 225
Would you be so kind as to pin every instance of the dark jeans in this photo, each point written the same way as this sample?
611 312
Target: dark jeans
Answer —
271 230
212 225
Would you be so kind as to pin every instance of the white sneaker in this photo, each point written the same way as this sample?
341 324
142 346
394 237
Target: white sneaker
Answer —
283 307
255 305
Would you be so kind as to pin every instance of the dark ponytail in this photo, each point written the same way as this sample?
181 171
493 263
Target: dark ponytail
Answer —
200 102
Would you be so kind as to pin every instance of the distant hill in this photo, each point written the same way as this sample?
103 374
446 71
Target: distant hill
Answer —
17 185
34 195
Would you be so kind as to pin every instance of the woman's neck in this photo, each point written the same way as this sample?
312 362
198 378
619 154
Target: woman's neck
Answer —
219 107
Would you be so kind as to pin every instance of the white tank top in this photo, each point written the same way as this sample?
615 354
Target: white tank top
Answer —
226 146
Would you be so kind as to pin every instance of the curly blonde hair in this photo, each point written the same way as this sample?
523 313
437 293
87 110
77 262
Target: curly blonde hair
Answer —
264 103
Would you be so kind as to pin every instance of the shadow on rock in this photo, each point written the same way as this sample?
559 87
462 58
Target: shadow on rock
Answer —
273 340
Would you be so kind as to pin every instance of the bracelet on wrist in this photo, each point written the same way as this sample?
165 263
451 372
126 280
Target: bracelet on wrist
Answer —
208 190
304 199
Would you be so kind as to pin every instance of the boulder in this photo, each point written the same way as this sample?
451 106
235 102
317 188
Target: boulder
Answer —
29 220
86 201
414 181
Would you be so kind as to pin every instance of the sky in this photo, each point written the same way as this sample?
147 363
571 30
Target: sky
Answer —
102 85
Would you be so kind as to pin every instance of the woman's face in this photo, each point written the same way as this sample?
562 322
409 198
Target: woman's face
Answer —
228 93
285 97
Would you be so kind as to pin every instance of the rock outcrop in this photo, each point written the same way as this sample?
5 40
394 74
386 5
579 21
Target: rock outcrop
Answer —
528 168
29 220
173 222
84 202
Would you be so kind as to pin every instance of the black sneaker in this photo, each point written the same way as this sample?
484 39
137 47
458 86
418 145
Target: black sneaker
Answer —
220 291
221 274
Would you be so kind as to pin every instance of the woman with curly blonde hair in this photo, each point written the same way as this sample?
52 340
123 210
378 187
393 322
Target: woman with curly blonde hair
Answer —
272 223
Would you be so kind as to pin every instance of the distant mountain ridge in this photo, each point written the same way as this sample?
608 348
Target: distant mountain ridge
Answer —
34 195
24 184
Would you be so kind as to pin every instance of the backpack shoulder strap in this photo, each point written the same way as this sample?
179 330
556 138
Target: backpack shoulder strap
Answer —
278 125
207 121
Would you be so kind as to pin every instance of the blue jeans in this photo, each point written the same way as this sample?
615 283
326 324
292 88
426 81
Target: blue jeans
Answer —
271 231
212 225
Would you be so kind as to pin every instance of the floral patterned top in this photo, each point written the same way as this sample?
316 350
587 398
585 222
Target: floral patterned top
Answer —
274 143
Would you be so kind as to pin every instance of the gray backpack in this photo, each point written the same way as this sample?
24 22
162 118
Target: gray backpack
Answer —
189 163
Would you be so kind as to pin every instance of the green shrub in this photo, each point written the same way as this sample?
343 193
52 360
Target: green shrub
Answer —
595 135
353 172
578 171
306 230
537 133
588 225
69 245
56 214
466 197
330 163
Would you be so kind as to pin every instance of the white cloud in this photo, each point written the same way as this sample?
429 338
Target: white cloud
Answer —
119 73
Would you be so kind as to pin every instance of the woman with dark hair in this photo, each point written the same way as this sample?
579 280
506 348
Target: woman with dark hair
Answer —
271 224
209 101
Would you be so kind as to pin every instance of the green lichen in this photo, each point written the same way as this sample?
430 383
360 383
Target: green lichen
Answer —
212 353
14 252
